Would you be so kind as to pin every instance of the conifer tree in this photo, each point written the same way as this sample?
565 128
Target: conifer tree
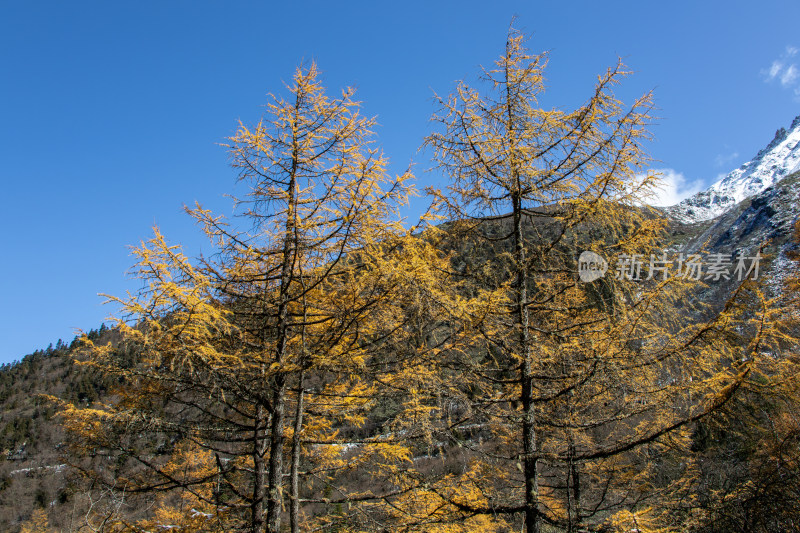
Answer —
327 367
578 385
244 351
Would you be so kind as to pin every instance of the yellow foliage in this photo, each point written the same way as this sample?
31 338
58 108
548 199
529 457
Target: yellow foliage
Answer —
461 369
37 523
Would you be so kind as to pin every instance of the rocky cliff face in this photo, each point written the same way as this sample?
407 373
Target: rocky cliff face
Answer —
752 208
780 158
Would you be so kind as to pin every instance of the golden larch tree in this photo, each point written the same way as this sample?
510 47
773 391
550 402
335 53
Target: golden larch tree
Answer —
234 348
577 386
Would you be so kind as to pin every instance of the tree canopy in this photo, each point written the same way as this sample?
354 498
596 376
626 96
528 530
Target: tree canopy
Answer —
331 367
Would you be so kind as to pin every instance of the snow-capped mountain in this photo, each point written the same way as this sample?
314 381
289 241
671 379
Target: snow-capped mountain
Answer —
780 158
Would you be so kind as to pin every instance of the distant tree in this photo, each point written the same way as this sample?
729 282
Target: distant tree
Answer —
37 523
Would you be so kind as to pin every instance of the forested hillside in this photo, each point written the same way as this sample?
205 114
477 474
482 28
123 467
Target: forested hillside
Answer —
32 461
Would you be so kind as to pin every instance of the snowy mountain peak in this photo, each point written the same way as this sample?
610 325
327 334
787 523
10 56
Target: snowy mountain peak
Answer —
778 159
780 136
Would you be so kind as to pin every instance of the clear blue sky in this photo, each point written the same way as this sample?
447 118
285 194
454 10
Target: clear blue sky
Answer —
110 112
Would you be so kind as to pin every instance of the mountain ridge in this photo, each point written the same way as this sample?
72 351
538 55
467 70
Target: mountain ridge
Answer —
778 159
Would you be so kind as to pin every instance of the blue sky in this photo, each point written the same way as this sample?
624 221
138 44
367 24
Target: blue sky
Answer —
111 112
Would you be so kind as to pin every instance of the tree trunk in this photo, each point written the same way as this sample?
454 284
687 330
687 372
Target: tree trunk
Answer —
275 477
529 451
573 490
277 437
294 514
259 471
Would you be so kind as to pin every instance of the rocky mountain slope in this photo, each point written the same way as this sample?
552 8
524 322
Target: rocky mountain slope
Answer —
777 160
753 208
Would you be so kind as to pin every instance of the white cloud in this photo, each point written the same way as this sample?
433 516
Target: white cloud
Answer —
789 76
784 69
774 70
725 159
674 187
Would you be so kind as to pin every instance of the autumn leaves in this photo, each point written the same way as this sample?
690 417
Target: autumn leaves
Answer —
330 368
